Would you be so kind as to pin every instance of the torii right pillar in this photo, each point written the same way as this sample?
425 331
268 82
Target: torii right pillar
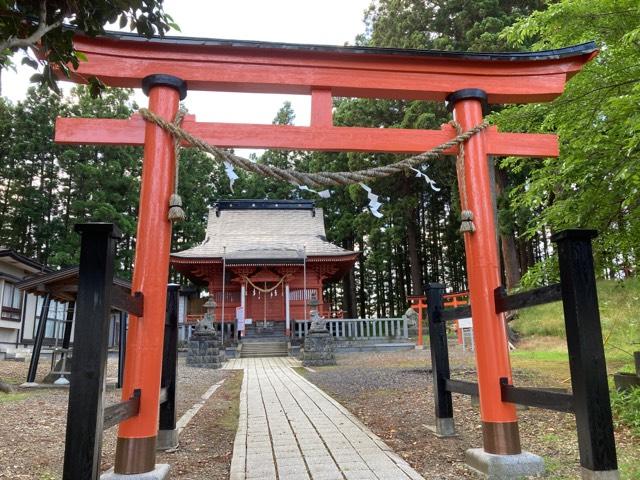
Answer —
501 456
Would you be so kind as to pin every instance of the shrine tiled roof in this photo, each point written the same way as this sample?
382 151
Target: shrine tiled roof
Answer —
270 233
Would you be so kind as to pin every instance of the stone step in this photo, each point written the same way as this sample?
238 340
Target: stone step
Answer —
247 348
264 349
264 355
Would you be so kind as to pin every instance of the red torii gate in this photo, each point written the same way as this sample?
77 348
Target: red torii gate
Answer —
165 67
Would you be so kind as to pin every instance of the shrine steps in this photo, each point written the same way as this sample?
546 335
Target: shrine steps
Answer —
257 349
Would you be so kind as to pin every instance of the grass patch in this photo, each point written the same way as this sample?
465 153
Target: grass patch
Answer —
300 371
619 305
626 409
12 397
231 402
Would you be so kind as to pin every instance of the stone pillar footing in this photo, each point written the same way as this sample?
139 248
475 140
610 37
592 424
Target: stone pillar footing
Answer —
445 427
503 467
161 472
167 439
599 475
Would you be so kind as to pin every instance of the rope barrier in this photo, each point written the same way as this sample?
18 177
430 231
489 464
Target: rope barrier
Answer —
312 179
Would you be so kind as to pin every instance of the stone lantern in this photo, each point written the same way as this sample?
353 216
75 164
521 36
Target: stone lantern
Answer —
205 349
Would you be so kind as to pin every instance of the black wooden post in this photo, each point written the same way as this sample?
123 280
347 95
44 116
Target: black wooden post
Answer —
122 344
68 326
439 361
167 434
93 305
586 352
38 341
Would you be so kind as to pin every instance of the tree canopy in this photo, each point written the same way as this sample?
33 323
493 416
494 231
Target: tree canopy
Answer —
47 26
596 181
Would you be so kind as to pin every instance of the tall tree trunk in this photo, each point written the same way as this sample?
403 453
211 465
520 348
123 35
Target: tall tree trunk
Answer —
413 243
413 251
349 287
511 262
362 294
510 259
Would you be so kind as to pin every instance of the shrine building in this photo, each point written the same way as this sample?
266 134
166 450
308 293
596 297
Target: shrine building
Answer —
275 256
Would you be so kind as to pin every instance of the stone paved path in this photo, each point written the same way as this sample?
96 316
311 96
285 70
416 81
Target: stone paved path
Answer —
289 429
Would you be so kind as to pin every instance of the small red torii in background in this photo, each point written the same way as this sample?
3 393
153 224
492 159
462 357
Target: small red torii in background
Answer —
419 303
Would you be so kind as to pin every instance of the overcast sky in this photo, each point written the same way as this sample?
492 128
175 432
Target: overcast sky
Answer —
330 22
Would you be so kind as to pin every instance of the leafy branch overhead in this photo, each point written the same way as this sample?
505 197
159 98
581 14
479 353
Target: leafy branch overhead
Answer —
46 28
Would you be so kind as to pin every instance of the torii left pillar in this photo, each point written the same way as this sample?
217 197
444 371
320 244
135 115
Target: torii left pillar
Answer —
136 447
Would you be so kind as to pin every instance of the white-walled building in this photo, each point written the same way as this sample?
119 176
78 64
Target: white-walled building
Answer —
17 310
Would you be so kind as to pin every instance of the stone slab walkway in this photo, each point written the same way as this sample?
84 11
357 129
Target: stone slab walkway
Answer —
290 429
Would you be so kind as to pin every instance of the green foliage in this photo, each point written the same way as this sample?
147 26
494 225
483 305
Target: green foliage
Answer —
38 25
626 409
545 272
595 182
46 188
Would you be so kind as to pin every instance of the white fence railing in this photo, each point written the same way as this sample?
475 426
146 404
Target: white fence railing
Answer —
355 328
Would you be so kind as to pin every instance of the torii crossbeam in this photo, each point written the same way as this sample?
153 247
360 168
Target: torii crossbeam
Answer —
166 67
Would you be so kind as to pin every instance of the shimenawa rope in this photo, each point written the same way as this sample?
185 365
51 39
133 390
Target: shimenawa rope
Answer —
312 179
264 290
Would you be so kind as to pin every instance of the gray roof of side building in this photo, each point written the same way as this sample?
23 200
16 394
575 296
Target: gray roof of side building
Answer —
249 234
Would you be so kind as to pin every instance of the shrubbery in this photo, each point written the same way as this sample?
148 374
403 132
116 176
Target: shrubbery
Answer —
626 409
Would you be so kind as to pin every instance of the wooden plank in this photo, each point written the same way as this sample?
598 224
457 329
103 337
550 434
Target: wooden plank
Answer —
261 69
81 131
119 412
537 296
463 387
457 313
123 301
321 107
540 398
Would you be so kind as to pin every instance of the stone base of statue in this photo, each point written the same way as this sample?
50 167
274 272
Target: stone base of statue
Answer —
319 349
205 349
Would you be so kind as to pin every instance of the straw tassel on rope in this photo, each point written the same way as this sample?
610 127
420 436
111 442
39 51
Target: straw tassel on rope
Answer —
466 216
176 212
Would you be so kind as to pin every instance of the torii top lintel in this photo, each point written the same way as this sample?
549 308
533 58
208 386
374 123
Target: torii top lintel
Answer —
123 60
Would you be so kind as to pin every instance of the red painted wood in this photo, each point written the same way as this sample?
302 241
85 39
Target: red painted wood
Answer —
80 131
483 273
321 108
146 334
124 63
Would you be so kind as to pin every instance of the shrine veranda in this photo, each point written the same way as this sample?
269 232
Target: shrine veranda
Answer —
168 68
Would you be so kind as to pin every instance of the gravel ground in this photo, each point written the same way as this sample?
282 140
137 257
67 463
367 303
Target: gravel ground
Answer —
392 394
32 425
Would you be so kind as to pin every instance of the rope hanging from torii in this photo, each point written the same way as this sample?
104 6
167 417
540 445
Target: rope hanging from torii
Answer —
308 179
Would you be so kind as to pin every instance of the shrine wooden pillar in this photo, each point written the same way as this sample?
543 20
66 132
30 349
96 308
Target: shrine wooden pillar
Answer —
287 308
499 420
136 446
243 305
